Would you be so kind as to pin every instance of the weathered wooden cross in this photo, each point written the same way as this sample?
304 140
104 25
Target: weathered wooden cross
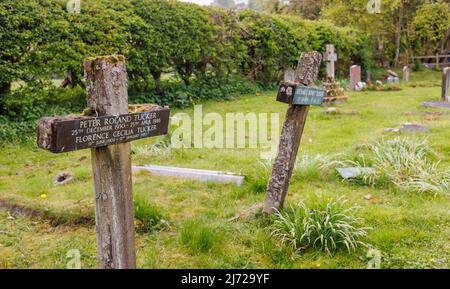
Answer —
330 57
299 95
108 133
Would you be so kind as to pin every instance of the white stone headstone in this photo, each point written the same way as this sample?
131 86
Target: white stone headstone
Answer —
405 73
393 79
289 75
368 76
446 85
330 57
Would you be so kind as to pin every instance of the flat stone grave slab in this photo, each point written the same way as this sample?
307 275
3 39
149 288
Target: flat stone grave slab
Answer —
414 127
196 174
392 129
438 104
353 172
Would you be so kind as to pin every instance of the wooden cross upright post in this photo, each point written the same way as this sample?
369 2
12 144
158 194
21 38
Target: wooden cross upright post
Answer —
108 133
300 95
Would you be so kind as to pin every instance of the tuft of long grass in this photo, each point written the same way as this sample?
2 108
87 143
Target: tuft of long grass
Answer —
313 167
161 148
198 236
307 167
407 163
147 213
324 223
259 179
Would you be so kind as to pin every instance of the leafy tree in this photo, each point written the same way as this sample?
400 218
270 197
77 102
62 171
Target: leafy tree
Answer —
151 50
22 38
228 49
431 27
261 5
98 30
309 9
270 46
224 3
392 29
192 37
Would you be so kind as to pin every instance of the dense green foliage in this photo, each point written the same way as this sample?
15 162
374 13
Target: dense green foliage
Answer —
399 30
176 52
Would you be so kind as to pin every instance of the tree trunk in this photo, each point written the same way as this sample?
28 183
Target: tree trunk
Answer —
398 36
444 48
71 80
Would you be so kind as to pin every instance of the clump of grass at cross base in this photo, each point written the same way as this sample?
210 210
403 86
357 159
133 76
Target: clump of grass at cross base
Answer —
258 180
323 223
198 236
307 167
314 167
148 214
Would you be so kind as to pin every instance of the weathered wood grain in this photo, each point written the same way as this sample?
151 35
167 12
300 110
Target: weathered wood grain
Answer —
106 81
306 74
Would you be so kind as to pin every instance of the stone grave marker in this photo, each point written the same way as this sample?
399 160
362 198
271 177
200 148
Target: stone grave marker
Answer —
353 172
413 127
299 95
289 74
445 94
108 134
436 104
355 77
330 57
405 73
446 85
195 174
334 92
393 77
368 76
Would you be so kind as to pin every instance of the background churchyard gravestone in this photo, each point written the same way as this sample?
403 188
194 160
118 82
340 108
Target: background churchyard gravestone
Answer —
393 77
445 95
355 77
330 57
368 76
289 75
446 85
306 74
405 73
108 135
334 92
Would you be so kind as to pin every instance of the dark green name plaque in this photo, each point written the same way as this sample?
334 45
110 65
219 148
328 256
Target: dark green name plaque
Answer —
300 95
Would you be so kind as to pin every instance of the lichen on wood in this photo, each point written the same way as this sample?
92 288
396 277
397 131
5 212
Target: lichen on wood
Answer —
106 89
306 74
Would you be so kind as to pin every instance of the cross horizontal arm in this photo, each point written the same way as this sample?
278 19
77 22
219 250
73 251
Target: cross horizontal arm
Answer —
63 134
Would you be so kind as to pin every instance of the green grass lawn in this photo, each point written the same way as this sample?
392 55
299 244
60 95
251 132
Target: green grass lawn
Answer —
411 230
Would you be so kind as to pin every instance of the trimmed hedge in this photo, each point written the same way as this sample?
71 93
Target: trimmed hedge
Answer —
177 53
